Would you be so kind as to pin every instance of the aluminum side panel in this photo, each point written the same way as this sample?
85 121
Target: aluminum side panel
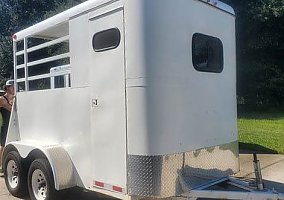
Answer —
157 176
59 117
172 107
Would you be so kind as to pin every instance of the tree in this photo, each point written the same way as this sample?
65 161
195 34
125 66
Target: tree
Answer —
260 49
19 14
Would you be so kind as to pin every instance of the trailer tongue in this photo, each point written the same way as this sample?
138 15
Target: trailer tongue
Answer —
228 188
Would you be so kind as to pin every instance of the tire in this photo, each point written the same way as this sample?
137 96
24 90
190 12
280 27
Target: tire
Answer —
15 175
41 182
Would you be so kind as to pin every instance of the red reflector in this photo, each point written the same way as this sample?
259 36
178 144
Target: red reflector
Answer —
116 188
100 184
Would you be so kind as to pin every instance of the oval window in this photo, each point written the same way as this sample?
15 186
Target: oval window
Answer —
106 40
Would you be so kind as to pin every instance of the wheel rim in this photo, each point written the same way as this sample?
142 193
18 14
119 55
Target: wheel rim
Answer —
39 185
12 174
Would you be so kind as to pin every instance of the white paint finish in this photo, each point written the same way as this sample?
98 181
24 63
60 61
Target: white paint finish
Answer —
135 46
171 107
136 82
183 109
137 133
50 108
61 165
79 59
59 117
110 193
13 128
108 120
26 146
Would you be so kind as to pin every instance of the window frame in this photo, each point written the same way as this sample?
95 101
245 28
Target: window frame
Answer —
110 47
218 41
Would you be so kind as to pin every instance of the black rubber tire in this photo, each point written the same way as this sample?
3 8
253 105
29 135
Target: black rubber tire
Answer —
21 190
44 166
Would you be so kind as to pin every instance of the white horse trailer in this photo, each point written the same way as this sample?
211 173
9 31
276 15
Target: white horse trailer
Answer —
128 98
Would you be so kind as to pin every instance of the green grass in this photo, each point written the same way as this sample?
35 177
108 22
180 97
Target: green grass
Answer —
262 132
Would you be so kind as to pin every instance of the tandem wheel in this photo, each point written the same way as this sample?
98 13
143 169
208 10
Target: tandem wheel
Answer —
15 174
41 182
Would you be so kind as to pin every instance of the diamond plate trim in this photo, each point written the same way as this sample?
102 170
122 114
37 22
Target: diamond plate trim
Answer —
157 176
144 175
63 167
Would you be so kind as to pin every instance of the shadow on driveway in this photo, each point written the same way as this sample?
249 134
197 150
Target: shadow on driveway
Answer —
78 193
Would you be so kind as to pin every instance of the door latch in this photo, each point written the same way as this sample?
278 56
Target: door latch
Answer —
94 103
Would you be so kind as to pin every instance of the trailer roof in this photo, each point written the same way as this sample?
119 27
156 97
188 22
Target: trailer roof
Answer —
220 5
59 22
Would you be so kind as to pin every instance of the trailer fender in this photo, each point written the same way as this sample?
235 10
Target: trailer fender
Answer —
60 162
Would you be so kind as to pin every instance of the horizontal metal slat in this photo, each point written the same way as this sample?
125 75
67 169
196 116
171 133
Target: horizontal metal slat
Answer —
49 59
60 73
20 66
20 53
21 80
42 76
47 44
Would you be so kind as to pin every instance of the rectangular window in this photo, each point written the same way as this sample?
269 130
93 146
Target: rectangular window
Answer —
60 77
207 53
59 82
39 84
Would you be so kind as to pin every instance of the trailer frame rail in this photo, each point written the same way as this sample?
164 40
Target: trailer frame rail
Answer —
246 191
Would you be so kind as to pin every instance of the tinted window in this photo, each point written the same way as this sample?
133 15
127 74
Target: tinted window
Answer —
106 40
39 84
207 53
59 82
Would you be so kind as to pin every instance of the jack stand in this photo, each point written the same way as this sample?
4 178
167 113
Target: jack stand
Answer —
257 171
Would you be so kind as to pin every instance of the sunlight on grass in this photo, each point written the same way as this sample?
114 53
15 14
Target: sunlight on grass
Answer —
266 130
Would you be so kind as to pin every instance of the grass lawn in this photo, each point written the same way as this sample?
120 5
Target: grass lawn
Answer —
262 132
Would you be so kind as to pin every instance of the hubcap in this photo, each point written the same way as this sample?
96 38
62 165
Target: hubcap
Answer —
12 174
39 185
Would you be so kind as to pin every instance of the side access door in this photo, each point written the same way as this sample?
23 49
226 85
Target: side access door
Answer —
108 114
